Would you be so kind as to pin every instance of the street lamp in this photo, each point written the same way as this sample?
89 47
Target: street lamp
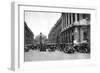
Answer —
40 41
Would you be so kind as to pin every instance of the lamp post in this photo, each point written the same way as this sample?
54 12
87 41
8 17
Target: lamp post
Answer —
40 41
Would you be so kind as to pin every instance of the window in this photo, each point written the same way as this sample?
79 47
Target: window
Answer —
77 17
73 17
84 16
85 34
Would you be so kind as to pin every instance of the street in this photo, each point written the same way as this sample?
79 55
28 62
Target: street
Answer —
36 55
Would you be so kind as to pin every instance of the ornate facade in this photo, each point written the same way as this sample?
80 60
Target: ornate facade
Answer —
71 28
75 28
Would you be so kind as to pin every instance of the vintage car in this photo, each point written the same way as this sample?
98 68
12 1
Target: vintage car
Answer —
82 47
28 47
51 47
69 49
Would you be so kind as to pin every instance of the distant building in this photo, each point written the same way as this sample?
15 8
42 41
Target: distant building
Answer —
28 35
54 35
41 38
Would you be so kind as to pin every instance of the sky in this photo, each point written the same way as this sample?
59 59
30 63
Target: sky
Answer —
41 21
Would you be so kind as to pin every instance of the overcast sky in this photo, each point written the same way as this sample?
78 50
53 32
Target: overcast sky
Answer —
41 21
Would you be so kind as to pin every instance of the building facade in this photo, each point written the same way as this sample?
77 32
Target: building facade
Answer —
28 35
71 29
54 35
75 28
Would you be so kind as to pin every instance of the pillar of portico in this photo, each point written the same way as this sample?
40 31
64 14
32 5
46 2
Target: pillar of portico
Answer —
62 22
80 16
75 17
76 35
68 20
71 18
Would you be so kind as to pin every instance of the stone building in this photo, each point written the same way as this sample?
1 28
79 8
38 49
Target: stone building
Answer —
71 28
28 35
75 28
54 35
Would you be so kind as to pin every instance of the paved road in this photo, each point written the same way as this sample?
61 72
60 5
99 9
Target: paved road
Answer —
57 55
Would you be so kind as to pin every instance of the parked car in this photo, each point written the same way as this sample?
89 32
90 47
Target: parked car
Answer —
82 48
28 47
69 49
51 47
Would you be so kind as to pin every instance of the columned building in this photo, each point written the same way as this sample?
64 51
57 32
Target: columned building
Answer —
71 29
75 28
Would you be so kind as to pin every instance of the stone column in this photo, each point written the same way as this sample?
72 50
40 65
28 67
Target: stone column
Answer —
67 37
71 18
81 35
80 16
75 17
62 21
76 35
76 20
68 20
71 36
65 20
